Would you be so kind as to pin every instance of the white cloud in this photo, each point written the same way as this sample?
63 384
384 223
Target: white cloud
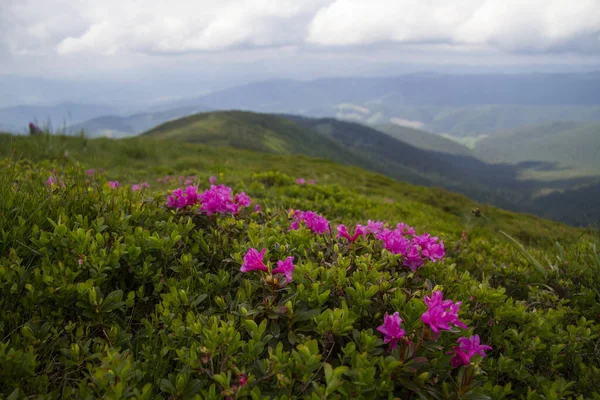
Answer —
510 25
119 28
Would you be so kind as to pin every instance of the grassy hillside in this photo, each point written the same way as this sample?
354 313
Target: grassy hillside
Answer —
567 143
424 140
258 132
105 292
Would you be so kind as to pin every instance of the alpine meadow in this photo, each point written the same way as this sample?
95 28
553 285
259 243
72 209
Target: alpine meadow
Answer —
316 199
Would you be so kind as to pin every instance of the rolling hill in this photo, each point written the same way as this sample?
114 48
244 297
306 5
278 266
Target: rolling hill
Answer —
424 140
567 143
351 144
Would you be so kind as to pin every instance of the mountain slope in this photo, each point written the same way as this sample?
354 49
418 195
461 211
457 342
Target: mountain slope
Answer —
568 143
424 140
352 144
257 132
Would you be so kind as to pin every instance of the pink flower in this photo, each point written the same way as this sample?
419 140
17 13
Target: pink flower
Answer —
135 187
413 259
300 181
212 180
80 261
176 199
242 199
466 349
405 229
375 227
311 181
429 248
218 199
243 379
188 181
391 329
159 180
342 232
394 241
253 260
313 221
90 172
145 185
441 313
113 184
191 195
285 267
256 208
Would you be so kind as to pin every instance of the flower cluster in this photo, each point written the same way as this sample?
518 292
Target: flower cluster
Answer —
343 232
313 221
113 184
416 249
217 199
253 261
439 315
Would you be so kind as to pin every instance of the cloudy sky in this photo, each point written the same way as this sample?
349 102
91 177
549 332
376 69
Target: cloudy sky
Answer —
231 41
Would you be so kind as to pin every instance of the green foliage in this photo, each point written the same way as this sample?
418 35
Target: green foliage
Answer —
108 294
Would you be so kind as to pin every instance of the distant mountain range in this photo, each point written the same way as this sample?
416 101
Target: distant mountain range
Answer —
117 126
464 105
15 119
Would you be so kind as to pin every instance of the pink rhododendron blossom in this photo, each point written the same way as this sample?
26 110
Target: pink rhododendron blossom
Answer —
286 268
256 208
253 260
466 349
429 247
159 180
394 241
243 379
300 181
441 313
80 261
413 259
113 184
145 185
243 200
135 187
212 180
90 172
391 329
311 181
191 195
342 232
375 227
313 221
188 181
218 199
405 229
176 199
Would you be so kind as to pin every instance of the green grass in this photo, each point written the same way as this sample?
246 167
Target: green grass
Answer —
114 296
109 294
